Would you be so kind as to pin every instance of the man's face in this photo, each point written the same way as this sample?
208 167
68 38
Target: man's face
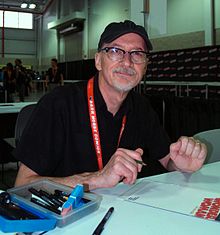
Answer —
53 64
17 62
122 74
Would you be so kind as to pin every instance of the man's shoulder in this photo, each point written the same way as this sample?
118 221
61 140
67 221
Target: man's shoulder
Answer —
64 94
71 88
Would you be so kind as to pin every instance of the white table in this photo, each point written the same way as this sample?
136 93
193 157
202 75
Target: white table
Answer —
134 219
13 107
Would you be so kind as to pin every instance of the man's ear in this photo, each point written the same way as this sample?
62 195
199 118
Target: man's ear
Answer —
145 68
98 63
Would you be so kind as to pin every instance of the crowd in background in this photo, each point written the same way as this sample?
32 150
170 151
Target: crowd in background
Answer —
17 80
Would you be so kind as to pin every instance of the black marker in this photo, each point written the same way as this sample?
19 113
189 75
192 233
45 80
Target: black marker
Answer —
101 225
43 196
45 205
51 198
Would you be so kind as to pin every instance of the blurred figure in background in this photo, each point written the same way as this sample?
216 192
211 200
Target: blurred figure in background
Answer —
21 75
54 75
9 81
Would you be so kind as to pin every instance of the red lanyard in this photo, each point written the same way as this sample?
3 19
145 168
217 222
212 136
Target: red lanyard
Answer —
94 123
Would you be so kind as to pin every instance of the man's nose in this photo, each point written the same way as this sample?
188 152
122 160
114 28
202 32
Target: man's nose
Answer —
127 58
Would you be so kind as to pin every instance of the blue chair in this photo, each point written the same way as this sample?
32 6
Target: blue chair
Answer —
212 140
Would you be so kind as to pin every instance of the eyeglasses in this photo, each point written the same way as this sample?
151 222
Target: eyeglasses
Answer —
117 54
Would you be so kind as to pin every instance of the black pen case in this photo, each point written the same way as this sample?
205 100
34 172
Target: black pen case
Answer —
24 195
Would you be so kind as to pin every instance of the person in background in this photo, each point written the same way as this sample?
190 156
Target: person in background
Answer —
28 81
9 81
42 75
21 76
54 76
98 133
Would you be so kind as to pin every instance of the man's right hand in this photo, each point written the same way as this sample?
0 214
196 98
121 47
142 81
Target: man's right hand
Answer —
121 166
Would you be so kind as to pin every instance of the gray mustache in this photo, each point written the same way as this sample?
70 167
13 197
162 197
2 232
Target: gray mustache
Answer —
128 71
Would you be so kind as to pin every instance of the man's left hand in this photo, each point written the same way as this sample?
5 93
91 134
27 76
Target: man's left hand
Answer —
187 154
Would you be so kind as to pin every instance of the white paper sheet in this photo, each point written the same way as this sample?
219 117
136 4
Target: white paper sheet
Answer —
172 197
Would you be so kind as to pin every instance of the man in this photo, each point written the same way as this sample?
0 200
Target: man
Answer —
9 81
97 134
21 76
54 75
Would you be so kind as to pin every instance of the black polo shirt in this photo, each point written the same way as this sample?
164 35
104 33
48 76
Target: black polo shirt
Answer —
58 139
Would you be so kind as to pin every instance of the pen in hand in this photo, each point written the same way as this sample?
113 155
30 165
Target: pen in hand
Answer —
101 225
140 162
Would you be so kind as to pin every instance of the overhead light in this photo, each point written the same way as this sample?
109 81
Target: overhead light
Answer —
32 6
24 5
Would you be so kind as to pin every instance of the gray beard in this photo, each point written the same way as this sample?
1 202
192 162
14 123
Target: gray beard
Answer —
124 88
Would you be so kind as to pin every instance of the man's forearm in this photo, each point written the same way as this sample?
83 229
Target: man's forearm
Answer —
89 180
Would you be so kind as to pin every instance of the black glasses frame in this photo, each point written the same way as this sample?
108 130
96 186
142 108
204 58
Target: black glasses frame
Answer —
107 49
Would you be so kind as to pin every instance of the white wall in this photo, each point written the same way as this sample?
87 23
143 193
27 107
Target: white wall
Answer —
157 21
184 16
47 39
69 6
217 15
64 48
101 13
137 12
173 17
71 46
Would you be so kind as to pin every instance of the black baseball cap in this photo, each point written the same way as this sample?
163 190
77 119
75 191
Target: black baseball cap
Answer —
117 29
